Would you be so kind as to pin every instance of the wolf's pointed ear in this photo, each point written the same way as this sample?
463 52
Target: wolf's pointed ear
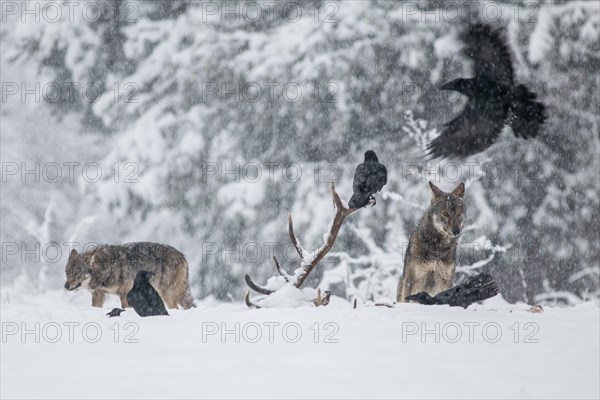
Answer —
436 192
459 191
73 254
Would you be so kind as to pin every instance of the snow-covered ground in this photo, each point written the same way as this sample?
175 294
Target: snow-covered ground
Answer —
494 350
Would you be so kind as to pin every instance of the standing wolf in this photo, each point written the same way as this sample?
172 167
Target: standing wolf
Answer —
113 268
430 260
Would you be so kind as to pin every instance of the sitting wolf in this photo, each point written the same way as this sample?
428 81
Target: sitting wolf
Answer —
113 268
430 259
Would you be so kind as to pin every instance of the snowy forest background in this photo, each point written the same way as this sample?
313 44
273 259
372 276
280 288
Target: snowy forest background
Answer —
179 97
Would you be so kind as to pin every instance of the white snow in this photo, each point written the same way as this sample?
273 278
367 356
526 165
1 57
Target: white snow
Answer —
242 197
541 41
327 352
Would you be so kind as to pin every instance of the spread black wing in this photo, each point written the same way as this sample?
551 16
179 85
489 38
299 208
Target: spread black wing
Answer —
527 115
489 50
472 131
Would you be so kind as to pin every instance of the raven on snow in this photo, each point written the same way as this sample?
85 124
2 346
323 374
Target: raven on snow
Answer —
144 299
476 288
115 312
495 99
369 178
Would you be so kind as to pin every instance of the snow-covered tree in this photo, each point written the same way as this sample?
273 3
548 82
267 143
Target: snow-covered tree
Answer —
215 114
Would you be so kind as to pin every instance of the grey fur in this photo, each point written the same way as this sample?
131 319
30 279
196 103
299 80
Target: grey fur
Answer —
430 260
113 268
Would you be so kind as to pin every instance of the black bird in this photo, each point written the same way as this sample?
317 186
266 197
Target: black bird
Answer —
495 99
369 178
476 288
144 299
115 312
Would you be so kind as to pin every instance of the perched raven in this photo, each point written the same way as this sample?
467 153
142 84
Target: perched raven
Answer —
369 178
115 312
495 99
476 288
144 299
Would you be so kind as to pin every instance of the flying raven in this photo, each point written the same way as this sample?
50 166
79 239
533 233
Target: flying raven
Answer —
495 99
476 288
144 299
369 178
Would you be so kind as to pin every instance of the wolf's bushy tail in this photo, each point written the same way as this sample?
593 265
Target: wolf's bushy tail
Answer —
185 298
474 289
526 114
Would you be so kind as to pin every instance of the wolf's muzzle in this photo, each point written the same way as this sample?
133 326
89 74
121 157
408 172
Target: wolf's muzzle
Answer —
69 287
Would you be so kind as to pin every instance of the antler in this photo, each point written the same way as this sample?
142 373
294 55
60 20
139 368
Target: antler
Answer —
309 261
341 212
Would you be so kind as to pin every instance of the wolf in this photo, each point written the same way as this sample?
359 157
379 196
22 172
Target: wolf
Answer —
430 259
113 268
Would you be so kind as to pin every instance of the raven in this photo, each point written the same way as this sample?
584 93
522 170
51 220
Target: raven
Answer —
144 299
115 312
476 288
495 99
369 178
